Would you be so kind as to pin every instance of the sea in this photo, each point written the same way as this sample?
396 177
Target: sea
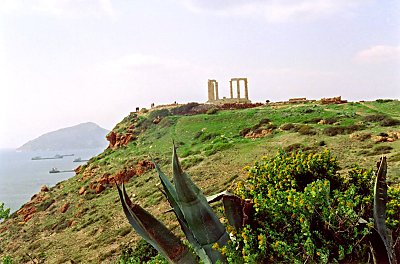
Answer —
21 177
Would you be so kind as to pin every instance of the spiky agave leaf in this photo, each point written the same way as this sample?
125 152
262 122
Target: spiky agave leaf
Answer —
170 193
233 208
201 219
380 200
154 232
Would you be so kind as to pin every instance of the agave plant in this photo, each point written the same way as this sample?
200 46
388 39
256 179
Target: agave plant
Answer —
198 221
381 236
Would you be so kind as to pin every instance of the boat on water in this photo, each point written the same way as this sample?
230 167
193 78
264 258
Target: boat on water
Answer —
79 159
66 155
54 170
57 156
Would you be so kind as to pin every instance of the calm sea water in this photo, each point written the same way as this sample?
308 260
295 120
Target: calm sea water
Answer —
21 177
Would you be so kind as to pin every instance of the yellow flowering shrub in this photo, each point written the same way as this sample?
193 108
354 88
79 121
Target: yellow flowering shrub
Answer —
305 211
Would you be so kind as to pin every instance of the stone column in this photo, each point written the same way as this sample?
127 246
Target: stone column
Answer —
231 89
238 88
246 91
210 91
216 91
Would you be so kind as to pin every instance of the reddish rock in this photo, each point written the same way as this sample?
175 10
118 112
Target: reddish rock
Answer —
82 190
112 138
44 188
27 212
100 188
71 223
78 169
157 120
64 208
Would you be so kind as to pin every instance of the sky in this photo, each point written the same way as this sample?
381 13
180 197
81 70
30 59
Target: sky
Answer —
65 62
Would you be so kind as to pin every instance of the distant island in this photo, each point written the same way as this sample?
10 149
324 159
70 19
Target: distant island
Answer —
83 136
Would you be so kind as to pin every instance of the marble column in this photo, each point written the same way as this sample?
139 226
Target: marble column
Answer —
231 89
246 91
216 90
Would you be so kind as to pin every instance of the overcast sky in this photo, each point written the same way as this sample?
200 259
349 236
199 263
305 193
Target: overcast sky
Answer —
64 62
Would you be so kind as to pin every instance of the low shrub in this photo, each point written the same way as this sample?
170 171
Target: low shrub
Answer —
374 118
159 113
361 136
4 212
141 253
124 231
297 147
313 120
395 157
330 120
341 130
333 131
208 136
305 211
186 109
307 110
287 126
212 111
390 122
191 161
45 204
305 130
384 100
166 122
379 150
203 136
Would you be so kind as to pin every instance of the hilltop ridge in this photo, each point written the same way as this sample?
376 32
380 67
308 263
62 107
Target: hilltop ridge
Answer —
82 136
214 144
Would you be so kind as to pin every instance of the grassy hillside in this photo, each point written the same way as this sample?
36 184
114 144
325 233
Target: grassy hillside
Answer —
81 219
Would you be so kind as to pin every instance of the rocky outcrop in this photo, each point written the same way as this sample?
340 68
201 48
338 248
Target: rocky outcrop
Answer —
118 140
389 137
122 176
44 188
82 190
258 133
64 208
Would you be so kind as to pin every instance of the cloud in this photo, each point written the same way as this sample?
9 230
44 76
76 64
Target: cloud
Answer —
59 8
378 54
274 11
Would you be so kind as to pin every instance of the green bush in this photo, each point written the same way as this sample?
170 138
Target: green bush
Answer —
159 113
390 122
342 130
305 130
374 118
287 126
7 260
379 150
191 161
306 212
4 213
212 111
384 100
142 253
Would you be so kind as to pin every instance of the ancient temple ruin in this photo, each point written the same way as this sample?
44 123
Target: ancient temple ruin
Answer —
213 96
212 90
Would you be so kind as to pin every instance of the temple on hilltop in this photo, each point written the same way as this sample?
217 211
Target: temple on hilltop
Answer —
213 96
